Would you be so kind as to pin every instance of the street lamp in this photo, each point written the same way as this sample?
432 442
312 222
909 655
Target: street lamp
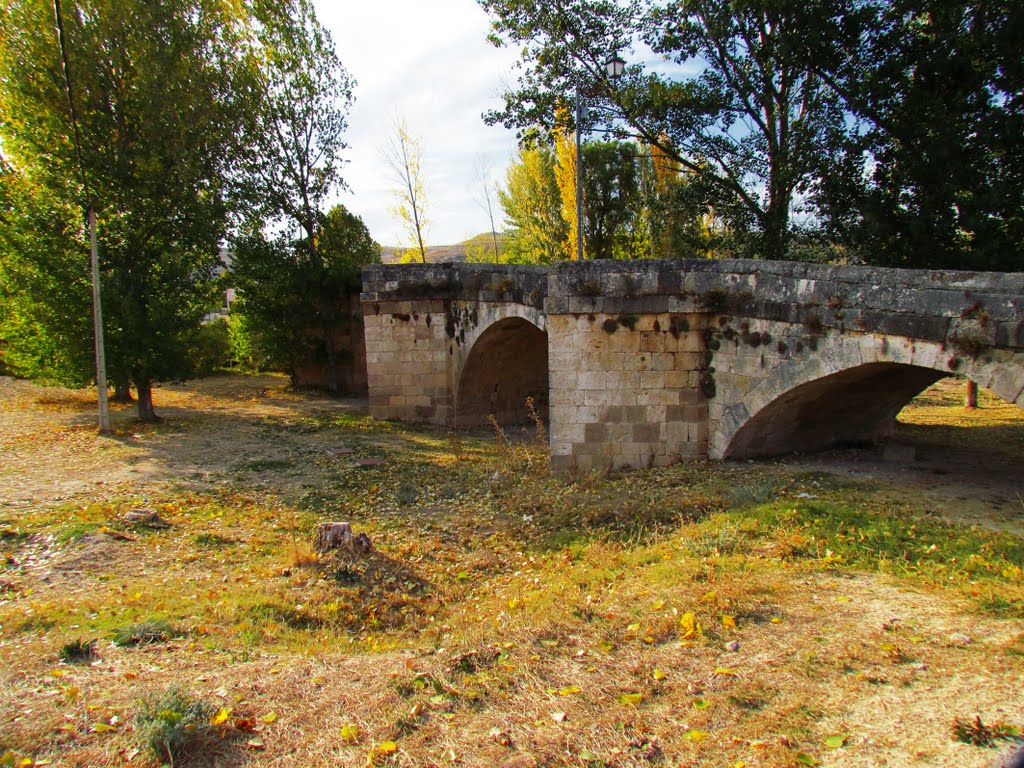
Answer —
613 67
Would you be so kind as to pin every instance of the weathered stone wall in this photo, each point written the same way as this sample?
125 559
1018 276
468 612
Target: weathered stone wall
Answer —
655 361
625 390
762 331
407 360
422 323
350 355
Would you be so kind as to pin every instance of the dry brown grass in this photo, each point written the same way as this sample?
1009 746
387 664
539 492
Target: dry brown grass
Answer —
504 618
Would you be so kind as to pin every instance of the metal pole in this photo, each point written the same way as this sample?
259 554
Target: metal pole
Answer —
579 175
97 324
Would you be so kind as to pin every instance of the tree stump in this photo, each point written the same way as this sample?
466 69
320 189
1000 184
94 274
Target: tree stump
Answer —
339 536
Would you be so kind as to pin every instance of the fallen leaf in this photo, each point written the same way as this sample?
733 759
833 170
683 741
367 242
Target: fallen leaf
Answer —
659 674
725 671
699 703
569 690
221 716
350 733
835 742
269 717
729 621
589 756
633 699
697 735
659 605
804 759
386 748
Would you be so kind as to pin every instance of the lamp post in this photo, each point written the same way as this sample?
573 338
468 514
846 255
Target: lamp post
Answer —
613 67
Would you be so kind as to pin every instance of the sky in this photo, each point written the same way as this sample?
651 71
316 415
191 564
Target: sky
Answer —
427 62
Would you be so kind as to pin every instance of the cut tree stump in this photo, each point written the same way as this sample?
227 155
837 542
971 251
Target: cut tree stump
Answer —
339 536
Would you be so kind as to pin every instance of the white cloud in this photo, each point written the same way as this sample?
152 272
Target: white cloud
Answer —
430 63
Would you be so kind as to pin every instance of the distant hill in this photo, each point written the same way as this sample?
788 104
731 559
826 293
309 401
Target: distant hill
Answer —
481 247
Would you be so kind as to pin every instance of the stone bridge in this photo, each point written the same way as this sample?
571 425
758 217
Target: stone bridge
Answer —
640 363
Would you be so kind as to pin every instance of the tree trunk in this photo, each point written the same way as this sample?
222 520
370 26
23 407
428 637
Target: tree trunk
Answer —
332 361
122 393
145 403
971 395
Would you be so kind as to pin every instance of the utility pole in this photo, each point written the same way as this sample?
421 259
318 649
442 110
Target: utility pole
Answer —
94 263
97 325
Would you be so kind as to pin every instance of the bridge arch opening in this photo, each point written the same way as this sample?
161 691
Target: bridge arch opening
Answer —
854 407
507 364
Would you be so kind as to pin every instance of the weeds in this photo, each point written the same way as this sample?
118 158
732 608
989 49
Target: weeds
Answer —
144 633
980 735
174 726
78 651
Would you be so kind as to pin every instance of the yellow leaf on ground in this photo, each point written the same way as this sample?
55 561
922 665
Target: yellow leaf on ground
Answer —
633 699
697 735
725 671
350 732
221 717
659 605
729 621
269 717
659 674
386 748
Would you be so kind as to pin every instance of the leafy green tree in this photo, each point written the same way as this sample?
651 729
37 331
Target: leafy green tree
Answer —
160 90
292 293
613 210
533 208
296 140
744 113
45 321
935 175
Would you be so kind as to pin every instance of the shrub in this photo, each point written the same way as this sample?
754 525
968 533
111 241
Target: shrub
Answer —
174 726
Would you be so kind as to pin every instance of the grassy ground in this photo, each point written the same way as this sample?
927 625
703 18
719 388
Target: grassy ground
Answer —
769 614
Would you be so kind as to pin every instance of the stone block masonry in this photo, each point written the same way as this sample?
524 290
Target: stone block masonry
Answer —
623 390
649 362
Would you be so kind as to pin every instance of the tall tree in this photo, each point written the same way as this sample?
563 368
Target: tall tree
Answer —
533 208
613 227
565 174
487 193
160 91
935 175
403 154
742 112
292 284
294 164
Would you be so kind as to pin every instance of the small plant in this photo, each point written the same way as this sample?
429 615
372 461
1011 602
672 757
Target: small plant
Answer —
144 633
174 726
981 735
78 651
406 494
213 540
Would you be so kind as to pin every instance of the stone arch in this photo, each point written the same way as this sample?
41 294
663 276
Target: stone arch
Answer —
506 362
849 392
